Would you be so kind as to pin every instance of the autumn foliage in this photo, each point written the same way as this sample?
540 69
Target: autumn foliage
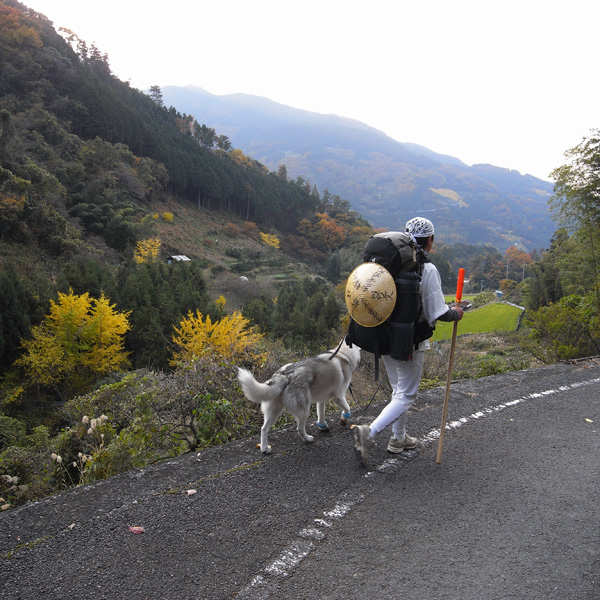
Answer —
270 240
325 233
15 31
231 337
79 341
147 250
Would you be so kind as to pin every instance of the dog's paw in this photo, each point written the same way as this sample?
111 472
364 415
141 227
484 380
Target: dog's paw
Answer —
267 450
344 419
309 438
323 426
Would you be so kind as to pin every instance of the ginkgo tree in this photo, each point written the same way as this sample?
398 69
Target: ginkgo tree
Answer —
270 240
147 250
81 340
231 337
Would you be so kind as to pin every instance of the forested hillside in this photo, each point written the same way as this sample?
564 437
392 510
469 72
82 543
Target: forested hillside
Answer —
51 89
92 170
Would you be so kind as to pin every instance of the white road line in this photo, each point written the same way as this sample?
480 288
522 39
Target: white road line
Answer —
263 585
434 434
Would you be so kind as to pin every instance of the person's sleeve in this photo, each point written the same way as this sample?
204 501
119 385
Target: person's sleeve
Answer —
434 303
449 315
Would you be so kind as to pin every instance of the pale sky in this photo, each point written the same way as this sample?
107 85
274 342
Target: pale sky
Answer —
512 83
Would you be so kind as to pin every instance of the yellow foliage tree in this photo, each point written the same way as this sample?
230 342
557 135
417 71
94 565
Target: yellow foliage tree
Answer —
11 206
221 301
230 337
240 158
80 341
104 335
147 250
45 361
270 240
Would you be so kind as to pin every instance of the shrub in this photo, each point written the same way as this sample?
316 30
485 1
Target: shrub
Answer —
149 416
231 230
569 328
270 240
483 298
251 230
26 471
488 365
12 432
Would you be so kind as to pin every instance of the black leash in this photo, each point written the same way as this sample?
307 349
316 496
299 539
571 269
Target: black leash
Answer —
360 408
337 349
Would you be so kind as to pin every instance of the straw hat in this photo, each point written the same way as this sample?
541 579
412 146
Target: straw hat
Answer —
370 294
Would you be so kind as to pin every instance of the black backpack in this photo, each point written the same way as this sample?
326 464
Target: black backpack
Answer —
406 327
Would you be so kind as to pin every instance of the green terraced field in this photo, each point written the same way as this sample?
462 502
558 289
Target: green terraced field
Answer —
487 319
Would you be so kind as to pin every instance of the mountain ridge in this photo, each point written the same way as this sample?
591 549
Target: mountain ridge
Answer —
386 181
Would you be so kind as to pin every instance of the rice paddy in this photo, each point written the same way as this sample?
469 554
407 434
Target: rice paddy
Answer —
494 317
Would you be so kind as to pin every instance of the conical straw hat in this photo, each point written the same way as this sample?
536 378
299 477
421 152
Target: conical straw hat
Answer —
370 294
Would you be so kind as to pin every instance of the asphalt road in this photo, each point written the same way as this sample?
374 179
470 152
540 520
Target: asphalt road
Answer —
512 511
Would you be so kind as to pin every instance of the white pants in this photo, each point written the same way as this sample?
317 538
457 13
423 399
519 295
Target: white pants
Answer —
405 377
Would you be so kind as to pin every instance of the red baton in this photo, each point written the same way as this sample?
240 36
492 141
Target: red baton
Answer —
459 284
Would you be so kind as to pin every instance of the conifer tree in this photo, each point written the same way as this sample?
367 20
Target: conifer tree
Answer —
18 308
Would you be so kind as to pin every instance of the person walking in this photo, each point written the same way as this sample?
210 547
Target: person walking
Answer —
405 376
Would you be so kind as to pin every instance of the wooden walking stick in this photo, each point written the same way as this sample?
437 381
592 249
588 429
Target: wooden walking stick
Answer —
459 288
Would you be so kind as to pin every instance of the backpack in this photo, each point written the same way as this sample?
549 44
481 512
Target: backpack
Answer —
406 327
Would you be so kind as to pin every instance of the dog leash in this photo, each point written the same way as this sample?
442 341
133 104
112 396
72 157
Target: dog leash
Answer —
361 408
337 349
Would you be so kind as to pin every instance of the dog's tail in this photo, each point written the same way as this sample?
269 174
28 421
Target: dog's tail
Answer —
260 392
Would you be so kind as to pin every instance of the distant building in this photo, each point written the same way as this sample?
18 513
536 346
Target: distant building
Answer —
177 258
499 294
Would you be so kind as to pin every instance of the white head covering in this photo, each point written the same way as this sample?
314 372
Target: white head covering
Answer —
420 227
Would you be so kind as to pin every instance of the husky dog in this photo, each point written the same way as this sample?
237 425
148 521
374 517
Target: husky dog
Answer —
296 385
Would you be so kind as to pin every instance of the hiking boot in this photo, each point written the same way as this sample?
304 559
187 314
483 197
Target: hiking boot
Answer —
397 446
362 442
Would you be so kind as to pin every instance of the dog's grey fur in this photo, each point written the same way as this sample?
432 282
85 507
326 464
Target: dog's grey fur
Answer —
296 385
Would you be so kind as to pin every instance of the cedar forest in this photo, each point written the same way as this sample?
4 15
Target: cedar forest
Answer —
112 356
